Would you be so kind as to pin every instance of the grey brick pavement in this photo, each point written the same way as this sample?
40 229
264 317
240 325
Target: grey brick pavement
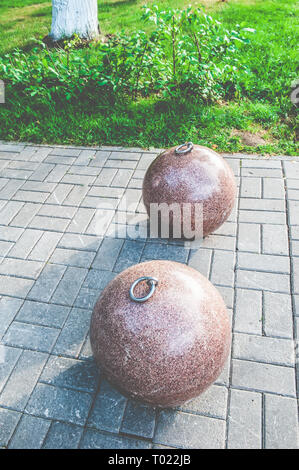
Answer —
59 209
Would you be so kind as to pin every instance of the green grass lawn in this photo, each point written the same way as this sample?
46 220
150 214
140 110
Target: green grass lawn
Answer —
266 111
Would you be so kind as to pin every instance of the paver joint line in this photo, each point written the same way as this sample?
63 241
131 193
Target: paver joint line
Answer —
55 259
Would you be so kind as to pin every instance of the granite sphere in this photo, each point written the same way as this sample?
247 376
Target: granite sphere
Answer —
169 348
200 177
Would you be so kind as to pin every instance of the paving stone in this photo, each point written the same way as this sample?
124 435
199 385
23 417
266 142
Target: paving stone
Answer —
63 212
31 196
102 191
275 239
81 220
8 422
107 254
293 194
201 261
273 188
261 172
47 282
5 247
25 215
100 203
294 247
108 409
97 279
28 336
10 189
15 286
8 310
139 420
25 244
9 211
227 229
227 294
249 237
96 440
16 174
73 334
292 183
99 159
43 314
58 403
223 268
63 436
296 304
20 268
76 196
263 281
294 212
10 234
278 315
168 252
100 222
80 242
41 172
58 172
87 298
244 420
246 163
263 349
60 193
38 186
248 311
78 179
130 254
70 373
251 187
123 164
23 379
121 178
267 263
8 359
258 217
281 425
66 152
295 271
69 286
213 403
30 433
220 242
105 177
54 224
45 246
189 431
262 377
291 169
262 204
78 258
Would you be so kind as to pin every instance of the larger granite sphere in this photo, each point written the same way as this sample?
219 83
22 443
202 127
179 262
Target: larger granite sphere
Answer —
169 348
198 175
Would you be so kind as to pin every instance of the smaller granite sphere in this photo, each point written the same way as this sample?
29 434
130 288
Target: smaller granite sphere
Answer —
194 175
160 333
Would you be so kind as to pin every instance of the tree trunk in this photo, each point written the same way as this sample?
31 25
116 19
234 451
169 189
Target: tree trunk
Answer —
71 17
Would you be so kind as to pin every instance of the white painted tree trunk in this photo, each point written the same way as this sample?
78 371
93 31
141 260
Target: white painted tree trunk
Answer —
74 17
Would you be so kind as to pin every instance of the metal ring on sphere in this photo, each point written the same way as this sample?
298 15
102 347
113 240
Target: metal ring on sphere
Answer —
189 148
151 281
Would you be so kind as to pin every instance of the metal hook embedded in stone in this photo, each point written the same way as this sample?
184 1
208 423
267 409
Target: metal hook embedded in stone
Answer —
189 148
151 282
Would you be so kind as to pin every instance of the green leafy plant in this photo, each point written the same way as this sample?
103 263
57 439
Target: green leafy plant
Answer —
188 52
